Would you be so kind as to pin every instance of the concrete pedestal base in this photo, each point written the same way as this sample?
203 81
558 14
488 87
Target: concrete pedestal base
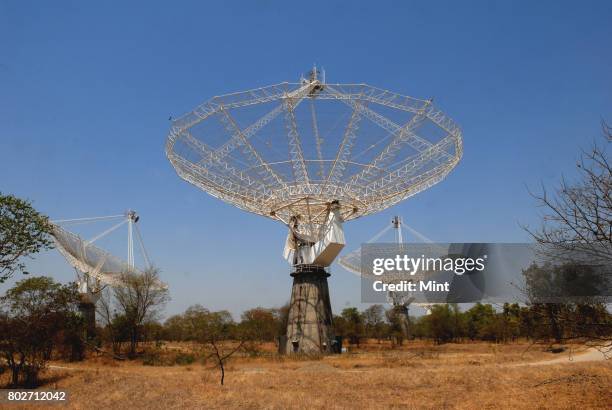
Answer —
309 325
401 313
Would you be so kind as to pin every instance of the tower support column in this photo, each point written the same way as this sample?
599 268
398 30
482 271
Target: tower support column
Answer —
309 324
401 312
88 311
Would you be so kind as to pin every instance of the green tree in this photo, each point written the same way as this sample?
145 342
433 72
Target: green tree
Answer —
32 315
352 322
511 321
212 329
260 324
444 323
480 322
175 329
23 232
197 322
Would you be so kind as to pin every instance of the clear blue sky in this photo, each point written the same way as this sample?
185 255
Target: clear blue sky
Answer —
86 89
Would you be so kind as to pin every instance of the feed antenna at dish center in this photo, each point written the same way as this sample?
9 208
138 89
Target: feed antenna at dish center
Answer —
313 156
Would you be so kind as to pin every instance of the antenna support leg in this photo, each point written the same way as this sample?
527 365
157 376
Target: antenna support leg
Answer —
88 312
400 311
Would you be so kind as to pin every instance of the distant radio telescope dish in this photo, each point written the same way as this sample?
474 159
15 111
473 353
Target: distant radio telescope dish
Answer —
313 155
96 267
400 301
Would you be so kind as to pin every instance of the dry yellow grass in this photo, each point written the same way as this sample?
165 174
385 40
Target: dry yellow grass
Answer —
461 376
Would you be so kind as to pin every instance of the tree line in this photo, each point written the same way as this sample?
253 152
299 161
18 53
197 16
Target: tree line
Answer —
40 319
445 323
501 324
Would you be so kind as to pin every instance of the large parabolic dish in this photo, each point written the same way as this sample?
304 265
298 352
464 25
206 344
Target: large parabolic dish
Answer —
288 150
313 155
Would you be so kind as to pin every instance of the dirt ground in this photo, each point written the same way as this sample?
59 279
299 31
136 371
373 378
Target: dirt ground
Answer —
457 376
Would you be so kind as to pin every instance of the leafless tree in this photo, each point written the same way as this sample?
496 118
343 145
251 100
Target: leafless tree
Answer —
127 307
219 354
578 216
578 221
107 314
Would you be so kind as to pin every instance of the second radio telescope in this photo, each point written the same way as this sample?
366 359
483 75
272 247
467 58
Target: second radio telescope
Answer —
314 155
96 267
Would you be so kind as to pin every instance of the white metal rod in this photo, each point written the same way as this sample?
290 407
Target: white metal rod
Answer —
130 245
97 218
142 247
379 234
109 230
419 235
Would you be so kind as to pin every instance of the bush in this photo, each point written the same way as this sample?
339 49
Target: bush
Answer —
183 359
158 358
155 358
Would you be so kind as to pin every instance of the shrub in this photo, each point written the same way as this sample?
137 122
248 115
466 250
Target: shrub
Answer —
154 358
183 359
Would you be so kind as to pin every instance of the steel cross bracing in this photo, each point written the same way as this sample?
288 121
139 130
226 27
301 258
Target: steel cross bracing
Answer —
317 137
400 135
250 150
290 102
346 145
213 160
261 187
341 92
300 173
236 140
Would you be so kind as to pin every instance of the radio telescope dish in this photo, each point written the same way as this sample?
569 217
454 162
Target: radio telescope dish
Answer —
399 300
97 268
313 155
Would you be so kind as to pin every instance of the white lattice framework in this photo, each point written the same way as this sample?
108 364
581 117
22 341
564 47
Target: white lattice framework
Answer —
289 150
352 261
95 266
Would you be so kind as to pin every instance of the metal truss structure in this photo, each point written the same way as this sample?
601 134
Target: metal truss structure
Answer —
289 150
96 267
352 261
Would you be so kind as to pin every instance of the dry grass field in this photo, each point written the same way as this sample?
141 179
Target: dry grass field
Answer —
454 376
